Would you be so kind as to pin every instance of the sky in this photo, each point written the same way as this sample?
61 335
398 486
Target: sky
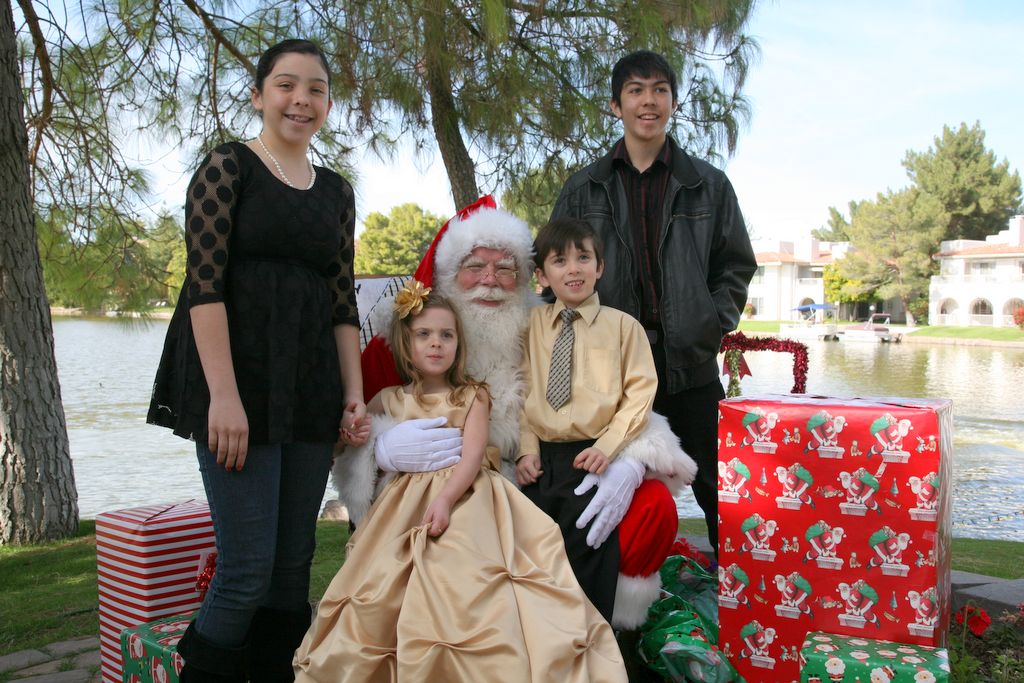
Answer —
841 91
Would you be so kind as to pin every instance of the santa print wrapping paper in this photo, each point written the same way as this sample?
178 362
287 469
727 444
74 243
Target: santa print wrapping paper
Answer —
828 658
834 516
150 652
148 563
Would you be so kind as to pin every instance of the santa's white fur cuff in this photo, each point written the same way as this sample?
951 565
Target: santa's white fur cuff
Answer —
657 448
355 472
633 596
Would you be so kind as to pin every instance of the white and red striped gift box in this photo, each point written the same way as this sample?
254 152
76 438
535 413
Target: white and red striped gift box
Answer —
147 562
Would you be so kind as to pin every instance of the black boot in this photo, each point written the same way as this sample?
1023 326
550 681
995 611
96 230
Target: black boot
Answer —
273 638
209 663
636 669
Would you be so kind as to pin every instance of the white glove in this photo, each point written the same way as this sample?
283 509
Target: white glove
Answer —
422 445
615 488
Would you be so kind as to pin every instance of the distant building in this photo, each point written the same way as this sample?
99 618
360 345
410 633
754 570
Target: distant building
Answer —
980 282
789 274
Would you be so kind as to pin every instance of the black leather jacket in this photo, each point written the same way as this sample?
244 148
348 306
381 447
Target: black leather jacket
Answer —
705 256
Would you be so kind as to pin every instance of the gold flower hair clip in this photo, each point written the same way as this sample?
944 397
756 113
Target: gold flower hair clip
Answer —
411 298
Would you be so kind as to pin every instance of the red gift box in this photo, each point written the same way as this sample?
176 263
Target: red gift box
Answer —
148 563
834 516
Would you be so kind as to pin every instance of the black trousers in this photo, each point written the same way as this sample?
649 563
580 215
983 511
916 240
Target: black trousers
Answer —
693 416
596 570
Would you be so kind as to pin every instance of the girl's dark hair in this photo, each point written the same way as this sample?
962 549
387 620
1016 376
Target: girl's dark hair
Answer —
274 52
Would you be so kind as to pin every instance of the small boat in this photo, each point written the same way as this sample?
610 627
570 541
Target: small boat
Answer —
813 324
809 330
873 330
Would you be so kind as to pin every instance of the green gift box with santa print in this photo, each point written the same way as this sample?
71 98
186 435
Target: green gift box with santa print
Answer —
830 658
149 650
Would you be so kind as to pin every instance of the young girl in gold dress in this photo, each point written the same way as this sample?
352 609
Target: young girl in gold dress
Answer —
453 575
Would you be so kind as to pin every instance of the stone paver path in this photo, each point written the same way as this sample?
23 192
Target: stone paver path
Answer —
69 661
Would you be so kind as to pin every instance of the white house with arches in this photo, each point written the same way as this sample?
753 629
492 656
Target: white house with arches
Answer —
789 274
980 282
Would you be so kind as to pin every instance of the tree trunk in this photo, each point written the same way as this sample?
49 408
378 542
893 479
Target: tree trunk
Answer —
444 118
38 500
906 311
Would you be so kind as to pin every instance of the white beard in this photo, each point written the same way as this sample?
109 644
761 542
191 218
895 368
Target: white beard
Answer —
495 338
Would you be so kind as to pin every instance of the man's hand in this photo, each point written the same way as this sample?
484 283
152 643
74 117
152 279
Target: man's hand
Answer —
422 445
615 490
528 469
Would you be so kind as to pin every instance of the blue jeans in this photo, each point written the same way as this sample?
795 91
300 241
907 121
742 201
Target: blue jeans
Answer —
264 518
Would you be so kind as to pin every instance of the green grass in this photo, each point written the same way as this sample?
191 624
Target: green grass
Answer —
988 333
759 326
331 538
996 334
49 589
991 558
693 526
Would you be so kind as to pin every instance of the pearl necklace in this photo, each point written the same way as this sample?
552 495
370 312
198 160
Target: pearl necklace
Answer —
280 171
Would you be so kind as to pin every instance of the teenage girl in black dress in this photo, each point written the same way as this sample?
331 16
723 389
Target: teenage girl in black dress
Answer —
261 366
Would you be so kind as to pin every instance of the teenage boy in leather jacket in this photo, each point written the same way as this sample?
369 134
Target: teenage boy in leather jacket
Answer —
677 255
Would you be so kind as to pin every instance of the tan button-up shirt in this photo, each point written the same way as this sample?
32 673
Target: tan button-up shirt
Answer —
613 379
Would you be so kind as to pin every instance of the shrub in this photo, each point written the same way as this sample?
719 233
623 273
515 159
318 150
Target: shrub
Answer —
1018 317
919 309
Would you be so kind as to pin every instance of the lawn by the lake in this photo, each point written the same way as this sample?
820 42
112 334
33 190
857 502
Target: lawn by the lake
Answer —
49 590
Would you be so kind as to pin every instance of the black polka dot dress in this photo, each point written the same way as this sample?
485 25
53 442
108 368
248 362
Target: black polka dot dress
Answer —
280 259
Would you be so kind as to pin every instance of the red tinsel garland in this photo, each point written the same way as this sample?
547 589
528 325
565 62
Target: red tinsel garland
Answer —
737 341
205 575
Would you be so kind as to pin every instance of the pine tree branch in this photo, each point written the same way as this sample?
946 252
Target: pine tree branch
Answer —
219 36
42 120
544 10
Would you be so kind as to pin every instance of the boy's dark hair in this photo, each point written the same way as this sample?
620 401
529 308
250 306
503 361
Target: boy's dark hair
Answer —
645 64
559 233
303 47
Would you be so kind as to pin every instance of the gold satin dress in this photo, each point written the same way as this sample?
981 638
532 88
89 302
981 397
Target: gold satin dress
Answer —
493 598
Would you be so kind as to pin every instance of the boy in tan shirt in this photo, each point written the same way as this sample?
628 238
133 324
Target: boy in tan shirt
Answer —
591 384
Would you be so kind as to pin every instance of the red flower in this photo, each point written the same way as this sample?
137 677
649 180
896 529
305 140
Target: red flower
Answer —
686 549
977 619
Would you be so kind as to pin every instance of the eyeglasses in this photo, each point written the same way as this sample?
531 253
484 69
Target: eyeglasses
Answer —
504 276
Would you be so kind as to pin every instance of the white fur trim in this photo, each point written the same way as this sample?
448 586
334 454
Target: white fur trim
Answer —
633 596
491 228
658 449
354 472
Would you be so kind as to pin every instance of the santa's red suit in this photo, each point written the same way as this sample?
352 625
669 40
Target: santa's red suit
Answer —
495 336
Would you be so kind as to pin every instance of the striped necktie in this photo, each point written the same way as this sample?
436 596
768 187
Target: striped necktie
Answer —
560 374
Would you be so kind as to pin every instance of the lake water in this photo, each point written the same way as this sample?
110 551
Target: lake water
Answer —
107 366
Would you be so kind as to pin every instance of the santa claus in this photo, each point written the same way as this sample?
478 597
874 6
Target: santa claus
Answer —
481 260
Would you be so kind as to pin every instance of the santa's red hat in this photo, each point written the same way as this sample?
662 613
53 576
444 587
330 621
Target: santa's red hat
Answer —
481 224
